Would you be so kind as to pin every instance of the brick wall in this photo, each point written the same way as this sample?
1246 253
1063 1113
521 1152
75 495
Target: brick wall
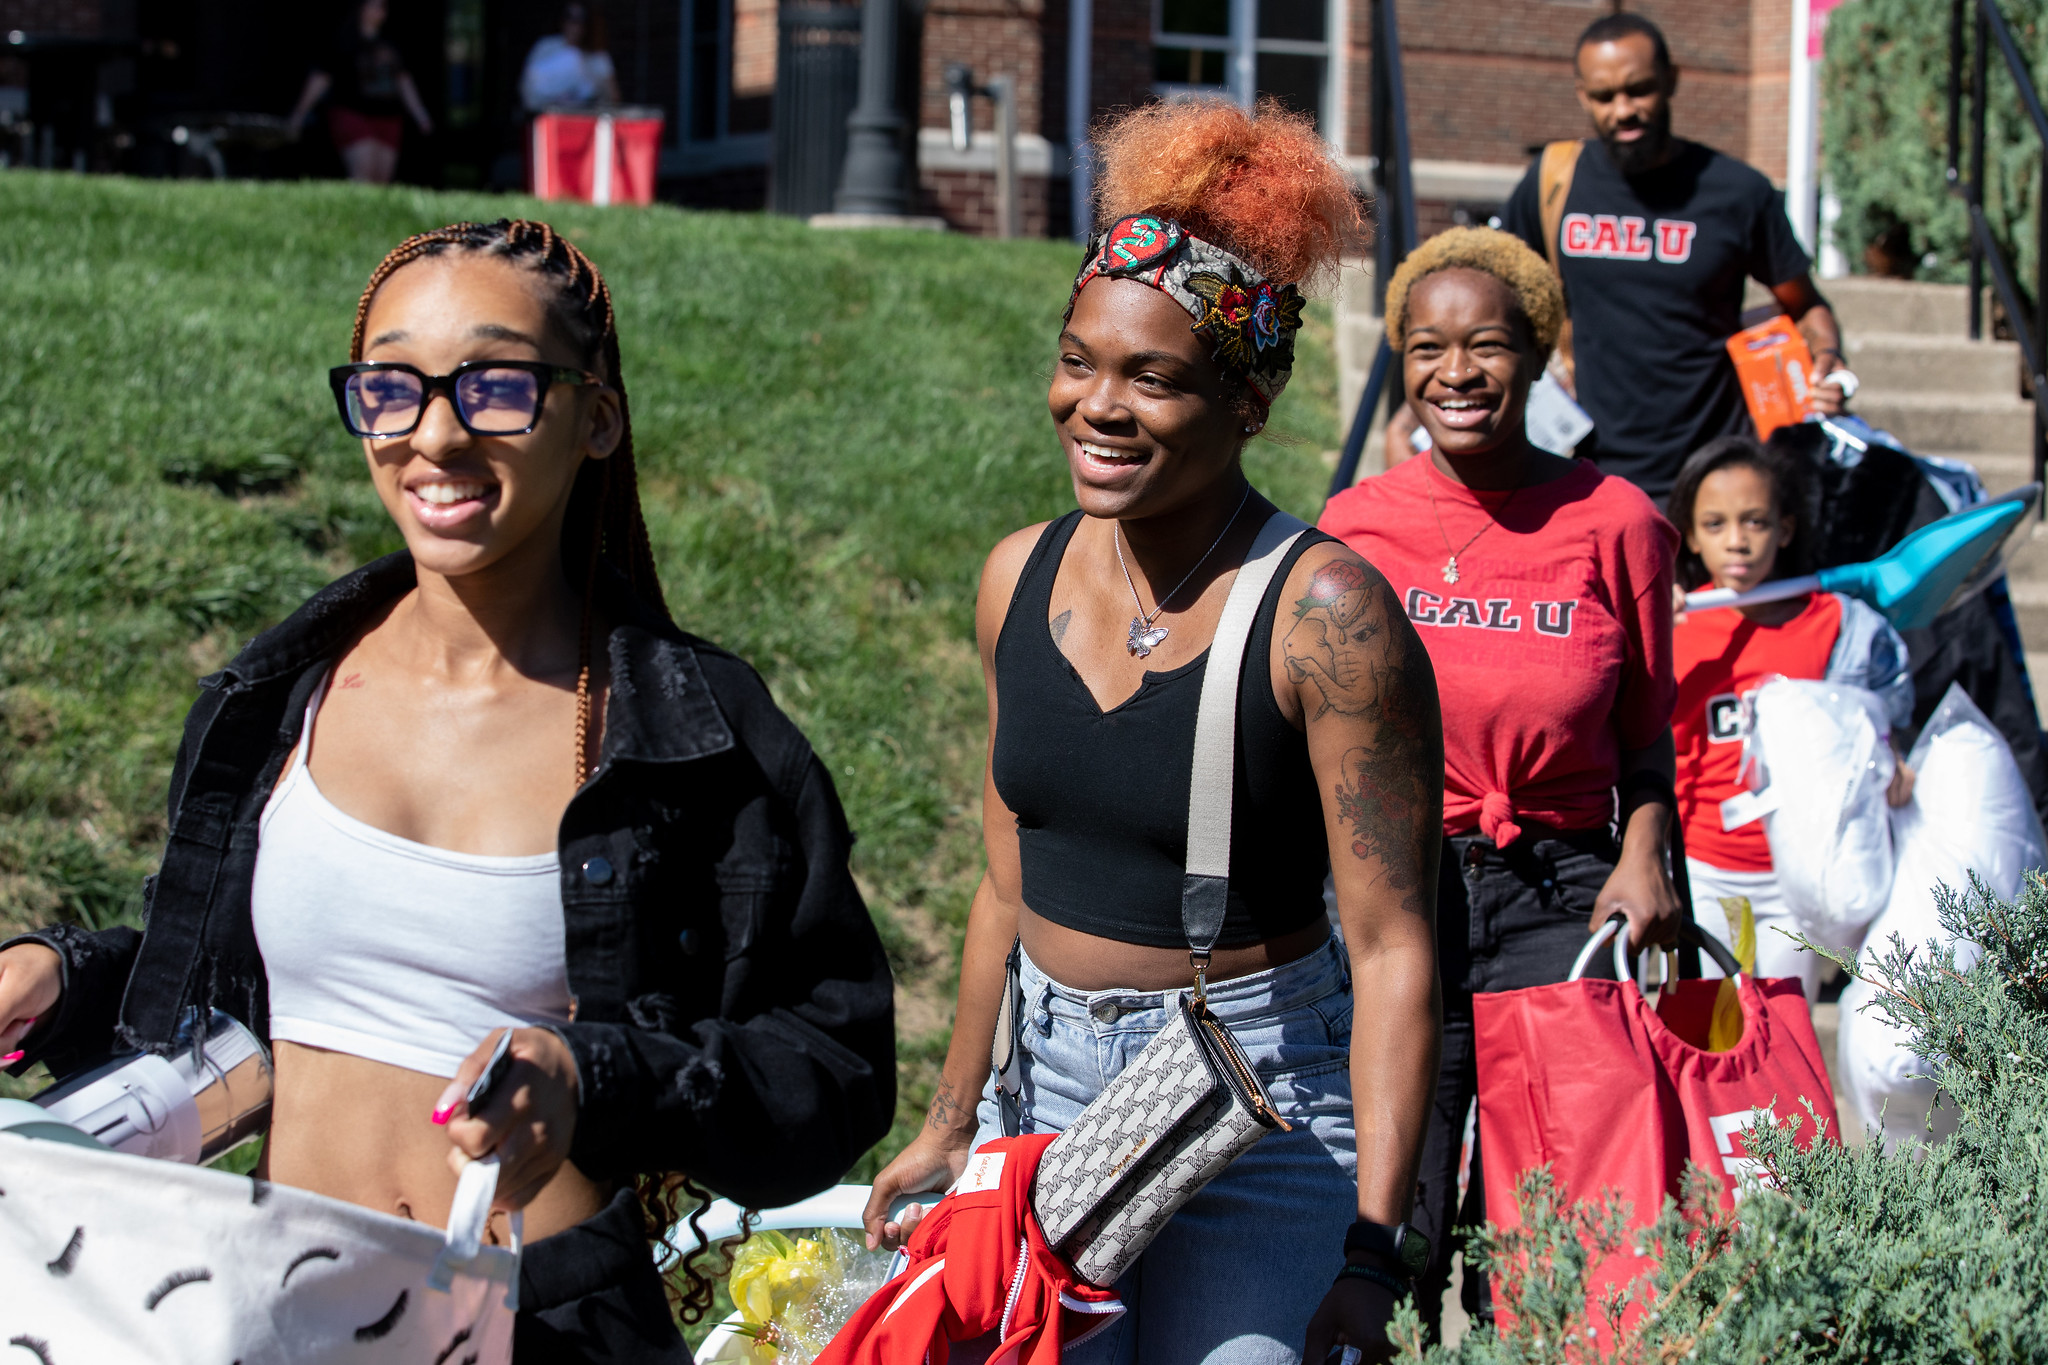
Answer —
1770 86
967 201
1121 75
995 38
1488 79
753 48
1026 40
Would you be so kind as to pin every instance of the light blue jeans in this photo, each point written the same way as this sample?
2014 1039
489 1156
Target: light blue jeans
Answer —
1235 1277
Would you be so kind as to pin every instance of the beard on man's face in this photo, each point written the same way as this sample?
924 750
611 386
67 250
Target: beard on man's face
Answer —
1644 153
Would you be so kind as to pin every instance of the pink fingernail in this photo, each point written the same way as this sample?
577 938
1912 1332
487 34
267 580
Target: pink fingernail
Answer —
445 1106
11 1058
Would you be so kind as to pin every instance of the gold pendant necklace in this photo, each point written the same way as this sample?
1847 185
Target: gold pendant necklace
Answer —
1450 569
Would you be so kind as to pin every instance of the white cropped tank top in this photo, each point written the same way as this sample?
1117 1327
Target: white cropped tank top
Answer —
396 951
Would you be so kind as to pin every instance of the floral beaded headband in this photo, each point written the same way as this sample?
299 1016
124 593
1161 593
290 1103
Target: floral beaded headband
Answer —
1251 320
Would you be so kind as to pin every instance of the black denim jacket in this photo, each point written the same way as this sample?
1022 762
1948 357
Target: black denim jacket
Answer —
733 1012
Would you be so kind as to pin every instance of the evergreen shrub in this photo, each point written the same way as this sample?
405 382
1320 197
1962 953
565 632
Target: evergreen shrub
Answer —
1884 133
1845 1254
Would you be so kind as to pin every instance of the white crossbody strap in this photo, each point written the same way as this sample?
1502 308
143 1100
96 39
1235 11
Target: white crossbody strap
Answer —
1205 890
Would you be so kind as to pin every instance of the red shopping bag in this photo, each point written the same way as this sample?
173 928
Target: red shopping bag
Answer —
1612 1094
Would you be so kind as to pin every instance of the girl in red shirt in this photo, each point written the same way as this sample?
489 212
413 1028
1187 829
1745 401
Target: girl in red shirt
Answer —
1737 502
1542 591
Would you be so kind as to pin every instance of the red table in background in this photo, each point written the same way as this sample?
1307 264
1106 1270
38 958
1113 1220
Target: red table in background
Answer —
595 156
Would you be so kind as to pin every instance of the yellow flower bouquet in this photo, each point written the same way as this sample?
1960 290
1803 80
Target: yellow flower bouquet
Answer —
795 1293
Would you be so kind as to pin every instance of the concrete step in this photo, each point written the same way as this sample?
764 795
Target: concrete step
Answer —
2026 571
1909 363
1866 305
1989 424
1863 304
2001 473
2031 611
1355 288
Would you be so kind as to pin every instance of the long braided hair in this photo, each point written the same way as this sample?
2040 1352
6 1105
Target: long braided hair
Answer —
604 524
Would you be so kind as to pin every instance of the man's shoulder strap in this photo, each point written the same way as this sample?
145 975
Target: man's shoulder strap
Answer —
1553 187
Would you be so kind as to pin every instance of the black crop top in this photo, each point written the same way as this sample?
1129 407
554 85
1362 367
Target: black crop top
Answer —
1101 798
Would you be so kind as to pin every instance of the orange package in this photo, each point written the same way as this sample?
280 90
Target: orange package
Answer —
1776 373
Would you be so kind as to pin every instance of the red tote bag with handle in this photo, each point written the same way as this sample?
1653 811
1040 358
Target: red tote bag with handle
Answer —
1588 1078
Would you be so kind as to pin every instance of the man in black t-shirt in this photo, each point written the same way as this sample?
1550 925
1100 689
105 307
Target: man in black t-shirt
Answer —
1655 240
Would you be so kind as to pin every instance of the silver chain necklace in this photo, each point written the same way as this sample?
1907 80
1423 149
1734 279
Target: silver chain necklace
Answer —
1145 637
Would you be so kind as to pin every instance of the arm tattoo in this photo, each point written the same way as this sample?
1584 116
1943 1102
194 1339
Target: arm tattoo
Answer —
945 1109
1328 643
1380 797
1060 624
1340 643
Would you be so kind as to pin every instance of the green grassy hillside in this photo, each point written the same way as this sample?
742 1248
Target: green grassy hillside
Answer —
832 430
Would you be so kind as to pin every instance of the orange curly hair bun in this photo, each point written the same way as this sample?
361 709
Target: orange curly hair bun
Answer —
1262 185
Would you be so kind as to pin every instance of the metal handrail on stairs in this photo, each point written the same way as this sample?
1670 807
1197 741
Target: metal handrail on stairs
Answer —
1394 234
2030 325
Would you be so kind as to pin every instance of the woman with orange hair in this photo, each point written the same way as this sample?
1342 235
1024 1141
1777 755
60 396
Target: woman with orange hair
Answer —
1095 635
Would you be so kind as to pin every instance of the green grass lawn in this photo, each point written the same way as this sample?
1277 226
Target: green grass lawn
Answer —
832 429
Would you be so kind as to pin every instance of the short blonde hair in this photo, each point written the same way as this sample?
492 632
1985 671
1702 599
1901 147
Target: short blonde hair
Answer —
1491 252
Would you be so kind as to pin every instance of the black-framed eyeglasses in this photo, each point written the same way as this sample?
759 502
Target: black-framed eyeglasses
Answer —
383 399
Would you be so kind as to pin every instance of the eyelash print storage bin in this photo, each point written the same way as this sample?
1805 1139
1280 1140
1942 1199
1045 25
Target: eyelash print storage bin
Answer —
113 1259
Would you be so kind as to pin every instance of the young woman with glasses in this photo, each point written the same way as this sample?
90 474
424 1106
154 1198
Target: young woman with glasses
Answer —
486 784
1095 636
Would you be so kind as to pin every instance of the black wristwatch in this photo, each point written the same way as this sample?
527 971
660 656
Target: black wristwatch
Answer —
1401 1244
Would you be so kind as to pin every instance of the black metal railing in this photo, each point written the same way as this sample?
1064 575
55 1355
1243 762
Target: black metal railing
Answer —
2029 323
1394 234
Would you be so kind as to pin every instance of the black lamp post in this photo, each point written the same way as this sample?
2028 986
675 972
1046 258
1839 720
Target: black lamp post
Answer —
873 184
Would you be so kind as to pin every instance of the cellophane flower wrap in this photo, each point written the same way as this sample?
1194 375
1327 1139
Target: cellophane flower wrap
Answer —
794 1294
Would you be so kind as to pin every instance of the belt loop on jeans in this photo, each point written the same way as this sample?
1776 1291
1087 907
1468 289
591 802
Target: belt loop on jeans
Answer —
1041 1013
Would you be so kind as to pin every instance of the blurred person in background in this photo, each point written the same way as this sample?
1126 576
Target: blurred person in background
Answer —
571 68
1541 588
370 89
1653 240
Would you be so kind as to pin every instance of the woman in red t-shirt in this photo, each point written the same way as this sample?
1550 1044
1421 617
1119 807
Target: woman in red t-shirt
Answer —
1737 503
1542 590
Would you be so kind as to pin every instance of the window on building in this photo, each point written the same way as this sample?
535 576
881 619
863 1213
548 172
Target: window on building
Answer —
1191 47
1206 46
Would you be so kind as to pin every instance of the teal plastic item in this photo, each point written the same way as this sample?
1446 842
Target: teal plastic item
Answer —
23 1119
1917 579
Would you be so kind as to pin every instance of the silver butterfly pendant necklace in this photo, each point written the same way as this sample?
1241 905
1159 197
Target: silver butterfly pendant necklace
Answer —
1146 637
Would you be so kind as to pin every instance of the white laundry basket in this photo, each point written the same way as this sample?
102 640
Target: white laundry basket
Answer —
112 1259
